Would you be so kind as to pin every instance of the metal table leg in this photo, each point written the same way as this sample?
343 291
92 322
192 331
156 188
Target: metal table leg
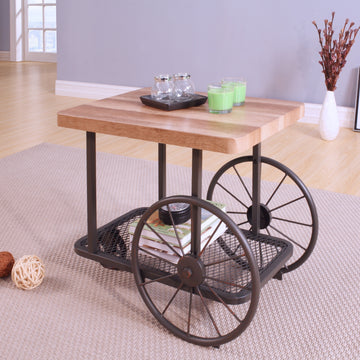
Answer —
196 184
256 180
162 170
91 190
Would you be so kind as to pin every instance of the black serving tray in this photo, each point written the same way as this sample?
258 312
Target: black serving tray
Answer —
170 105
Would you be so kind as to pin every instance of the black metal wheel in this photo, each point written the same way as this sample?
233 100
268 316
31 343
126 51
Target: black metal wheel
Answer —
287 209
196 291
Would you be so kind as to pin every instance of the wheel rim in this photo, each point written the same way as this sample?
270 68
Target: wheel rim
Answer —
202 304
287 209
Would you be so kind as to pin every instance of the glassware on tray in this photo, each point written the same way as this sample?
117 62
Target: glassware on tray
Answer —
163 88
184 87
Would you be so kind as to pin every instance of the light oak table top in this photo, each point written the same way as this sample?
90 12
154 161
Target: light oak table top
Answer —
125 115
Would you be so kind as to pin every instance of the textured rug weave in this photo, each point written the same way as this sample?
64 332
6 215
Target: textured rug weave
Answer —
84 311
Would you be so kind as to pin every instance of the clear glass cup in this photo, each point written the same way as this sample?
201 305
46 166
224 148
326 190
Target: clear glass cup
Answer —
183 86
163 88
220 98
239 86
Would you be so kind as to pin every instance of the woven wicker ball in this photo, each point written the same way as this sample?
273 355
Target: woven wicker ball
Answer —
28 272
6 263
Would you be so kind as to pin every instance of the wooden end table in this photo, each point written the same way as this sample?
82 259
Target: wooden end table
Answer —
220 278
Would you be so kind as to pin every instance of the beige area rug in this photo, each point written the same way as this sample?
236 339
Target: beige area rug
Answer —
84 311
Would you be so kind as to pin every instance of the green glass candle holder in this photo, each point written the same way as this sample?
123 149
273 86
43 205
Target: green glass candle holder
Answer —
239 86
220 99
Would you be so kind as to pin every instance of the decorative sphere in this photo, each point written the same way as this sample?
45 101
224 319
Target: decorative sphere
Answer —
6 263
28 272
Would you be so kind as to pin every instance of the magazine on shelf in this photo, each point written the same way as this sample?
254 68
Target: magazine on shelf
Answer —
152 241
155 242
213 233
167 232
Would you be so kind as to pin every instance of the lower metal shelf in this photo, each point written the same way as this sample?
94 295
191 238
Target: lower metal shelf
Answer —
227 272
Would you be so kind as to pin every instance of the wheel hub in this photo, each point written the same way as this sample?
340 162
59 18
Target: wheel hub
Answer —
191 271
265 216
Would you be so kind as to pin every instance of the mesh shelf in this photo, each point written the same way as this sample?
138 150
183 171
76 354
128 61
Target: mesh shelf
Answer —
227 270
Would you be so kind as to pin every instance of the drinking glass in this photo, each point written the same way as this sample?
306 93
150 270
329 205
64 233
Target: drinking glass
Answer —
239 86
163 88
183 86
220 98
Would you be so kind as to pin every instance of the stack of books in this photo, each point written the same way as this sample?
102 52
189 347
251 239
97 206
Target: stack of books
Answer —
153 244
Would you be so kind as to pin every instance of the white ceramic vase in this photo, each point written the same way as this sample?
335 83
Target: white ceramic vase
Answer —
329 120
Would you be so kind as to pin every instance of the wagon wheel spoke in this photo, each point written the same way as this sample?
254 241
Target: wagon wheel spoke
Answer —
287 203
208 311
223 302
189 313
172 298
175 229
292 221
243 223
210 238
243 184
231 194
236 212
163 240
276 190
288 238
152 254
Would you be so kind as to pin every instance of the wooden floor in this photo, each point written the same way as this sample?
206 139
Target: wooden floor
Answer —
28 108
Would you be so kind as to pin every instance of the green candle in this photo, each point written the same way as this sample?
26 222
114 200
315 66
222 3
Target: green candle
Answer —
239 89
220 99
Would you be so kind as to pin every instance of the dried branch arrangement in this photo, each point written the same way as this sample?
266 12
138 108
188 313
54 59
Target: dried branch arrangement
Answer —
334 51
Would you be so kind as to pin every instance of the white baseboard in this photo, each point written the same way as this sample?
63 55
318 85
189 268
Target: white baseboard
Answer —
100 91
312 115
89 90
4 55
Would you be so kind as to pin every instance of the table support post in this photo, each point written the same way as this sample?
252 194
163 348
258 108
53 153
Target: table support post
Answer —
91 190
256 182
196 185
162 170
